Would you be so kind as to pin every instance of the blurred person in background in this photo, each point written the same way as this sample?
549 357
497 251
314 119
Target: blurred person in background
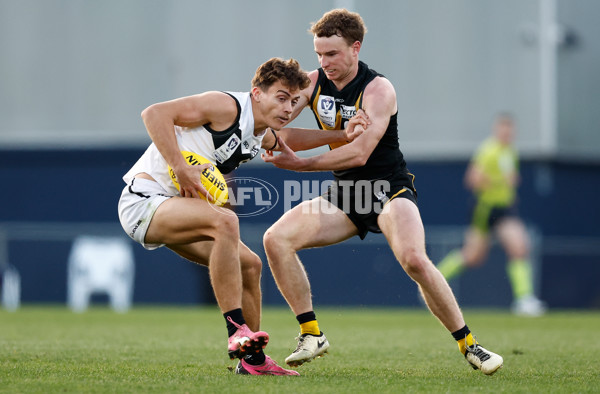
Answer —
493 177
342 88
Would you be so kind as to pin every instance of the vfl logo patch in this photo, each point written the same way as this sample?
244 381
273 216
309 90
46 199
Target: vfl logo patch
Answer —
227 149
326 110
232 144
326 103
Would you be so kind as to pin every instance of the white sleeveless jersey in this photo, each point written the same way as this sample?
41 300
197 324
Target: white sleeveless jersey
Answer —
226 149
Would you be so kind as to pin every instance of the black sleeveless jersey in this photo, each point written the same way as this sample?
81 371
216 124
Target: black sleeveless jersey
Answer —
333 108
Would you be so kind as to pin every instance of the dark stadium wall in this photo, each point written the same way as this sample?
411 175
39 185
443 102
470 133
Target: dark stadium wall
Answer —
71 187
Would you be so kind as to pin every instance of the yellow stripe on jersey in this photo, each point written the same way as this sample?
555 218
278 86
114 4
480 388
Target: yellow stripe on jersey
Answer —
314 107
358 100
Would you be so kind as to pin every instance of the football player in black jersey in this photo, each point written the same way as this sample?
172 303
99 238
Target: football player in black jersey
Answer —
371 170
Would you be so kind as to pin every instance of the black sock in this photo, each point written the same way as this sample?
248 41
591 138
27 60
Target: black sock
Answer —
235 315
461 334
256 358
306 317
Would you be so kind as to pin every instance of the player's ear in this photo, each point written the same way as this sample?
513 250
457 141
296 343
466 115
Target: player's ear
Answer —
256 92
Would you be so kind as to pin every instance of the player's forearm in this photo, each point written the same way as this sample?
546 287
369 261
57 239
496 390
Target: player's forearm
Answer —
334 160
303 139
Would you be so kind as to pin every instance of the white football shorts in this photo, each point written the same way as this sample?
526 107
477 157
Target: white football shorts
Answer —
139 200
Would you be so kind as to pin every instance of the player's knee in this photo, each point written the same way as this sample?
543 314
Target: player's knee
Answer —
474 260
273 241
473 263
518 250
227 226
519 254
251 268
415 263
474 257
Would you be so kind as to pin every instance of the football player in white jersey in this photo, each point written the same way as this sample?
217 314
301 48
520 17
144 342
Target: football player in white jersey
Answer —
215 125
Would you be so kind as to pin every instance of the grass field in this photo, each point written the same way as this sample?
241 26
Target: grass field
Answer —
49 349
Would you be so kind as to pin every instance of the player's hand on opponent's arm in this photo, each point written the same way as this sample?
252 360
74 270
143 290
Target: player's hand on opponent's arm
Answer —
286 158
190 184
357 125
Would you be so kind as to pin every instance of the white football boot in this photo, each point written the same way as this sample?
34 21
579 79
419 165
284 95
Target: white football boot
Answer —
529 306
309 347
482 359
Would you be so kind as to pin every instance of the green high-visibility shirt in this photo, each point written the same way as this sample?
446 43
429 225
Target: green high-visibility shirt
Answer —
497 162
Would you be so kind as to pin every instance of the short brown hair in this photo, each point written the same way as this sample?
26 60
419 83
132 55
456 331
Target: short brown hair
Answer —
288 72
340 22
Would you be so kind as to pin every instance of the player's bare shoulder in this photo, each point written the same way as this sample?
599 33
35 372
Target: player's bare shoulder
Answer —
219 102
380 91
307 93
220 108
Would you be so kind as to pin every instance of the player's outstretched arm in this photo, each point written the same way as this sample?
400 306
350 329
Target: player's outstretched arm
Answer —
299 139
379 103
